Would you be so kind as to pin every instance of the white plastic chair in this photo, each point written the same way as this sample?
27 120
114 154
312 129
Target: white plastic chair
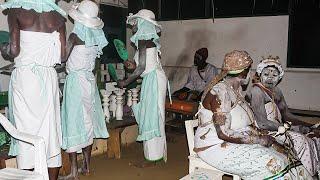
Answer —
40 167
194 160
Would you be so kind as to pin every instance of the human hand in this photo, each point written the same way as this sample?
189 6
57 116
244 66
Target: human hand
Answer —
4 51
278 147
130 65
314 133
193 95
182 95
263 131
266 140
121 83
4 48
304 129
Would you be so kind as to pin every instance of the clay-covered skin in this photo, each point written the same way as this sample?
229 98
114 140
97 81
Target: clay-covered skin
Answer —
222 123
260 95
270 77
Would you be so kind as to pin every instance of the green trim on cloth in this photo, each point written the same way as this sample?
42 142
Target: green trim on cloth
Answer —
146 31
147 111
13 151
38 5
72 118
91 36
283 172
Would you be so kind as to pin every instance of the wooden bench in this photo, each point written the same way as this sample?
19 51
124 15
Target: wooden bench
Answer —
115 129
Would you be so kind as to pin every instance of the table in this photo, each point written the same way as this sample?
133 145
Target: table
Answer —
115 128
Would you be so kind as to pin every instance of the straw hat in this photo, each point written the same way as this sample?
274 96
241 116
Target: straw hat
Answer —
86 13
146 15
236 61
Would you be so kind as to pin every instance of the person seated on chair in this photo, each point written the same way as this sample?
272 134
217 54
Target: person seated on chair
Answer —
271 112
226 137
199 76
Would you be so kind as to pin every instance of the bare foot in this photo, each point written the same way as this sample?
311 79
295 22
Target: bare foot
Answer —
69 177
143 164
84 171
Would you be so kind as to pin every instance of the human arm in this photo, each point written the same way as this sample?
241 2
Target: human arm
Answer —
62 32
141 67
257 101
73 40
222 123
287 116
130 65
12 49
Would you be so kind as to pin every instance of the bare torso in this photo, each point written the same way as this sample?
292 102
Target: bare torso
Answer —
30 20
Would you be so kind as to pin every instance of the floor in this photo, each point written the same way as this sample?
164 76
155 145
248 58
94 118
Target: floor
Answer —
121 169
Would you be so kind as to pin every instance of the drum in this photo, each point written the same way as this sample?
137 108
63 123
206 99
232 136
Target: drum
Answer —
183 107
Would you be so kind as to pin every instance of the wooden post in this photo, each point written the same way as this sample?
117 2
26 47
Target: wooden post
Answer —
2 163
114 143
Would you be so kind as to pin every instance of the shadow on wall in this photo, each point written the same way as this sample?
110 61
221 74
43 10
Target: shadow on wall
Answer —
195 39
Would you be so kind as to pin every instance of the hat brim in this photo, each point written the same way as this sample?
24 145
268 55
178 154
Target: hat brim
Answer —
132 19
95 23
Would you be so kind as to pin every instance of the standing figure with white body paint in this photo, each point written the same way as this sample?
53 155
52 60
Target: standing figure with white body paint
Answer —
150 111
82 115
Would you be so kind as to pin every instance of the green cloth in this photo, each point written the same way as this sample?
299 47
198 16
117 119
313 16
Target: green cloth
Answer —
121 49
112 72
146 31
4 37
4 98
91 36
4 138
72 117
37 5
147 112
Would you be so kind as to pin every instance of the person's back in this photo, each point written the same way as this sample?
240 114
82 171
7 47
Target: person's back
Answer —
30 20
37 44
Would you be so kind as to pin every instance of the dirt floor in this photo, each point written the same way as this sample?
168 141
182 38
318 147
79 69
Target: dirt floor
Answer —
120 169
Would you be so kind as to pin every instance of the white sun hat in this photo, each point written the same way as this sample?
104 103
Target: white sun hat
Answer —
87 14
146 15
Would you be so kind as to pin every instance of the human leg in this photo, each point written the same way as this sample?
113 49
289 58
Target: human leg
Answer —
85 170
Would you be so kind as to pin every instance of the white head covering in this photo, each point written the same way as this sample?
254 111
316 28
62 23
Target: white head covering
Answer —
86 13
146 15
270 61
39 6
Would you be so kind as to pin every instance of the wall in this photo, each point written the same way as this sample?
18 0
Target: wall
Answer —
260 36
